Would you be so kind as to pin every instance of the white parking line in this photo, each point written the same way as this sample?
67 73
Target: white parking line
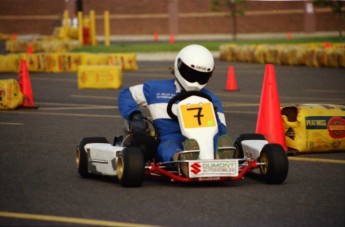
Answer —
83 221
318 160
94 97
65 114
11 123
324 91
80 108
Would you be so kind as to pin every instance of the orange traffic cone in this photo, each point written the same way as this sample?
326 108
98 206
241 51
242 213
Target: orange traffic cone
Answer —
25 86
171 39
30 49
288 36
327 45
231 84
155 36
269 122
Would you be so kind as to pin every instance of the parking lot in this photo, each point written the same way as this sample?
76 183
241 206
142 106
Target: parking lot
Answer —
40 185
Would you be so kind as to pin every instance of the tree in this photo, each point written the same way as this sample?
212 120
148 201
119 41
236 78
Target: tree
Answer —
234 11
336 7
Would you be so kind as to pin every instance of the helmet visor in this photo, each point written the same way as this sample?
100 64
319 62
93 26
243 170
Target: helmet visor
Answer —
192 75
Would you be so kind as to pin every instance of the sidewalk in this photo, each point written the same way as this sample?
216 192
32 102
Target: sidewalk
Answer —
170 56
216 37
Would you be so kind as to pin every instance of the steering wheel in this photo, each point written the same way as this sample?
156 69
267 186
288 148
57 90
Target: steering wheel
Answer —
181 96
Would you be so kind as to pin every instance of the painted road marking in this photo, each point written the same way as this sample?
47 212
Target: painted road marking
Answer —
240 112
11 123
64 104
324 91
68 106
323 160
318 99
227 104
239 104
83 221
94 97
64 114
54 79
80 108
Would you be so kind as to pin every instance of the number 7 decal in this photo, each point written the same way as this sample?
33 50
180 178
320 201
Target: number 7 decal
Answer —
198 115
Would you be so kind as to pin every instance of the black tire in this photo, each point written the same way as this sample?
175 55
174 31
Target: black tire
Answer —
276 166
81 155
250 136
130 167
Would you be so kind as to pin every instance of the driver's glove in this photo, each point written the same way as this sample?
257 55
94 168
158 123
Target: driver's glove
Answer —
136 123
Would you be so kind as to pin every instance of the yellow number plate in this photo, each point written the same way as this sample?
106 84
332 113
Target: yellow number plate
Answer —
198 115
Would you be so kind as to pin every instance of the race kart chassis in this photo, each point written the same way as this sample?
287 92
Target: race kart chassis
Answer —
197 119
158 170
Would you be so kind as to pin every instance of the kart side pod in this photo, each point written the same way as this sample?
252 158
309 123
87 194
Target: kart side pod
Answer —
102 158
95 156
253 148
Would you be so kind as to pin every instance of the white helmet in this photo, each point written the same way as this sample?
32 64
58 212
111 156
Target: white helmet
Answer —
194 66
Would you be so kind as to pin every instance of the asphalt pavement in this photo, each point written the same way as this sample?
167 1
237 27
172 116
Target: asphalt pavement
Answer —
40 185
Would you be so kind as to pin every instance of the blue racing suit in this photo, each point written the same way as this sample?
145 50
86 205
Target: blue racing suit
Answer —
155 95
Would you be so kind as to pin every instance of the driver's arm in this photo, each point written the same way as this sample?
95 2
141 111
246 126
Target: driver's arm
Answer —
130 99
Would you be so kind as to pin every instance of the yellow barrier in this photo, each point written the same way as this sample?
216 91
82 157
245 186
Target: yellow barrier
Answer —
99 77
5 36
10 95
46 46
35 62
314 127
53 63
313 54
9 63
65 62
94 59
126 61
71 62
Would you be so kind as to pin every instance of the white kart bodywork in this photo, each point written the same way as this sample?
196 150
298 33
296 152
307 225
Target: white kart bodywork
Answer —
203 135
253 148
102 158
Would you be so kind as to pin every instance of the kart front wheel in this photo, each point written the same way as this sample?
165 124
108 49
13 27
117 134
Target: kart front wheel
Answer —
81 155
275 164
130 167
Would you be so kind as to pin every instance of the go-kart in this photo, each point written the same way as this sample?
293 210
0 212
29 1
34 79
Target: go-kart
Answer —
196 116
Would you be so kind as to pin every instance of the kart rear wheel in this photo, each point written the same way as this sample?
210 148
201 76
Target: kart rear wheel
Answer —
130 167
276 164
251 136
81 155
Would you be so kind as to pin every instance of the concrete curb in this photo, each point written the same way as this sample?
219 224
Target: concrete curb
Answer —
215 37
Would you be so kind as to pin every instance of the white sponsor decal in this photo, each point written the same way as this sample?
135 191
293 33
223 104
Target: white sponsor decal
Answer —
213 168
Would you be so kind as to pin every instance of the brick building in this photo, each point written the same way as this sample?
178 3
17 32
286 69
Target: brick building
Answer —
144 17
